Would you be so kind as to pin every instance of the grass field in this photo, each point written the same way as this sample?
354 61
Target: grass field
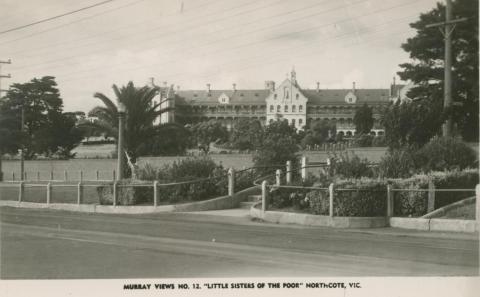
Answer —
105 167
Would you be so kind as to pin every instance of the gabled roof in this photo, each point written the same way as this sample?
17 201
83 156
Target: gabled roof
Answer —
337 96
238 97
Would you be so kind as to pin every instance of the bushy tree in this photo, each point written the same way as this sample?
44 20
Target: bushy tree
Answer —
426 69
363 119
208 132
412 123
319 133
278 146
47 130
247 134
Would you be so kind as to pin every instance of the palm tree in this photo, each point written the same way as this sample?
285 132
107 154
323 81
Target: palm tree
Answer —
141 113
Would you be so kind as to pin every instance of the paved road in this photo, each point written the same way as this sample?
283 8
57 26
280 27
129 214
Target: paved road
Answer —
44 244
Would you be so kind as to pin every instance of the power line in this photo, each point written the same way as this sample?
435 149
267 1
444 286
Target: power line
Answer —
255 42
56 17
279 54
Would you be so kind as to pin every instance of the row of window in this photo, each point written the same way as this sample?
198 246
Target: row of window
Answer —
279 108
292 121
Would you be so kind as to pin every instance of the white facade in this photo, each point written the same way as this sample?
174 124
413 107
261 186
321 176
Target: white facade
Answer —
287 103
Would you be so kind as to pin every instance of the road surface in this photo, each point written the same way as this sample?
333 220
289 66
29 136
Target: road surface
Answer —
47 244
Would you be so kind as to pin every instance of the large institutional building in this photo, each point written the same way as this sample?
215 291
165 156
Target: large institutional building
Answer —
287 101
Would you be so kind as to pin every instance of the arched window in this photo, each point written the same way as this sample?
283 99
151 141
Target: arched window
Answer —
293 122
278 108
300 108
300 122
271 108
297 96
286 108
294 108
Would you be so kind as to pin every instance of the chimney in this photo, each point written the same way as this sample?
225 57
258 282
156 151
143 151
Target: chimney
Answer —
234 85
353 87
270 85
318 87
208 88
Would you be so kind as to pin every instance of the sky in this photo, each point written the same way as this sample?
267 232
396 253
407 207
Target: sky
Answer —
189 43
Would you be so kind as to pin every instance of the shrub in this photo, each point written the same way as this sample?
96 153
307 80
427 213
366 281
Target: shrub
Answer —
445 153
290 197
397 163
318 202
349 166
414 203
210 181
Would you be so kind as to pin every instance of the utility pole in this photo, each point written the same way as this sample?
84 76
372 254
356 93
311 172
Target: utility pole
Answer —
1 90
446 28
3 76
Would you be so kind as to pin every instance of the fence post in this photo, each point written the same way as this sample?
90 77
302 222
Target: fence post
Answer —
80 176
21 191
155 193
278 177
51 175
25 176
49 192
13 176
264 195
331 194
97 174
113 175
477 212
79 193
288 172
114 202
304 167
38 175
65 175
389 201
231 181
431 196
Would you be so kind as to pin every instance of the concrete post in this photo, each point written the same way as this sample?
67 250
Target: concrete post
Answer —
331 194
80 175
264 195
477 213
49 193
79 193
114 201
65 175
38 175
13 176
231 181
431 196
21 189
278 177
155 193
97 174
389 201
304 167
288 173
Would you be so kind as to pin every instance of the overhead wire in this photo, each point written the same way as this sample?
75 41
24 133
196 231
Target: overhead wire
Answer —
55 17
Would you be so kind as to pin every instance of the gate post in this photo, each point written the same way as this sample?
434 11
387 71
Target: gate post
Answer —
278 177
331 195
264 195
79 193
288 174
231 181
114 200
431 196
49 192
304 167
389 201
